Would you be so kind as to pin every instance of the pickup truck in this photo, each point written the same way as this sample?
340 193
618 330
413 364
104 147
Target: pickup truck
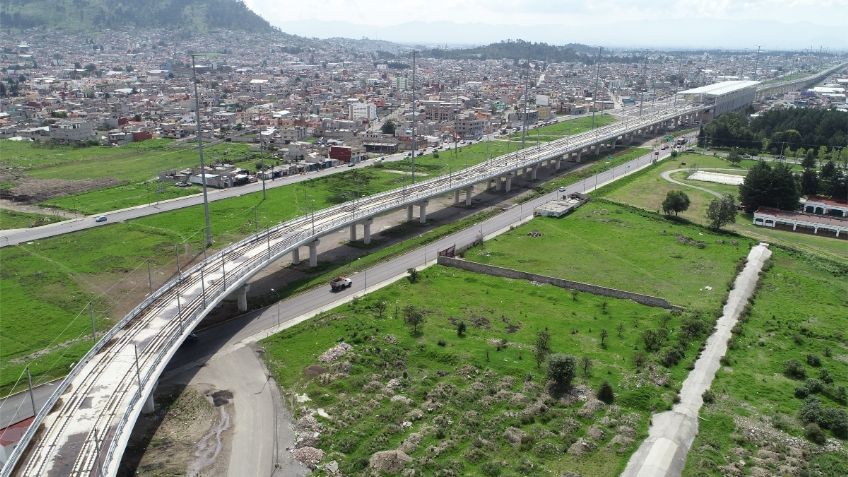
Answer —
340 283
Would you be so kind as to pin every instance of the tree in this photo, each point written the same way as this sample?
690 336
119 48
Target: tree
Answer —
388 127
542 348
413 275
809 161
675 201
460 329
733 157
413 317
605 393
784 190
756 187
721 212
380 308
586 366
604 335
561 369
809 182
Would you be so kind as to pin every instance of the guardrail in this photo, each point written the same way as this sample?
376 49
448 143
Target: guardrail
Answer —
294 233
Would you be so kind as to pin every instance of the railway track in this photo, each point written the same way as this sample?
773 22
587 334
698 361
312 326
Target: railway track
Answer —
83 428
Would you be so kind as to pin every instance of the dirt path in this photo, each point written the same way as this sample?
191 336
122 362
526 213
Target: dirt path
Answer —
663 453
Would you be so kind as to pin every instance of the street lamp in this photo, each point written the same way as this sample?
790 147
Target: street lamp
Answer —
277 305
200 150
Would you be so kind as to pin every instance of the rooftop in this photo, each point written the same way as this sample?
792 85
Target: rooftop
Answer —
724 87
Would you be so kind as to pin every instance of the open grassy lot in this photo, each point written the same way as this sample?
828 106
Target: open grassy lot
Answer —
620 247
12 219
477 404
117 176
132 162
450 160
800 313
564 128
646 189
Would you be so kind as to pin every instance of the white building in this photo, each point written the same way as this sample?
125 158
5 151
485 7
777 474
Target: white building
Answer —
726 96
367 111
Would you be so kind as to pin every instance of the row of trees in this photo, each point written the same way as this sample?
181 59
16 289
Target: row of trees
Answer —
780 131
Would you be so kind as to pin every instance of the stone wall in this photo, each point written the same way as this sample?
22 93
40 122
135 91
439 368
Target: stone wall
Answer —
558 282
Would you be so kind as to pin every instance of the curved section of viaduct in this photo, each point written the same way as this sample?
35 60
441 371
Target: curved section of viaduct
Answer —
83 428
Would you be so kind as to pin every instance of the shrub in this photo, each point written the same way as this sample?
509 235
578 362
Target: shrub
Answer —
672 357
794 369
836 420
561 368
605 393
814 433
802 392
813 360
491 469
441 343
413 275
814 386
708 397
811 411
824 375
654 339
639 360
460 329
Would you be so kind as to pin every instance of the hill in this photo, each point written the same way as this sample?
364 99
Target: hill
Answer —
81 15
521 50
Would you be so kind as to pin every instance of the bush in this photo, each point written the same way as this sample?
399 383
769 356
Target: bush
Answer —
654 339
561 370
824 375
413 275
801 392
794 369
672 357
836 420
441 343
813 360
814 433
460 329
814 386
491 469
811 411
708 397
605 393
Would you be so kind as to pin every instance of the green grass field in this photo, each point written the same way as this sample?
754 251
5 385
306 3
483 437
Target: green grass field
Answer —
11 219
620 247
800 310
646 189
465 392
564 128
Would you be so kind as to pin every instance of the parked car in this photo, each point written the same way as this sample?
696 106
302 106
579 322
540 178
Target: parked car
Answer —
100 218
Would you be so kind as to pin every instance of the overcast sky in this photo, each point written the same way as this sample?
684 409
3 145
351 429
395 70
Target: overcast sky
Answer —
564 13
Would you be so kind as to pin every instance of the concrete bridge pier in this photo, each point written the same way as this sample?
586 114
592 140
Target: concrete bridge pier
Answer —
149 406
353 232
456 197
468 191
422 211
295 258
534 172
409 213
366 231
313 253
242 297
506 184
558 163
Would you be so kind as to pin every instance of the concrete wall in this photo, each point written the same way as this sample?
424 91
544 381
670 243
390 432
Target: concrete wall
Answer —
557 282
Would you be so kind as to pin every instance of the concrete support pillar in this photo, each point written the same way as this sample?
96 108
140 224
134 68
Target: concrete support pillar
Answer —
353 232
558 164
242 297
149 406
295 259
468 191
794 226
816 230
409 213
366 231
313 253
422 212
508 183
456 197
534 172
579 156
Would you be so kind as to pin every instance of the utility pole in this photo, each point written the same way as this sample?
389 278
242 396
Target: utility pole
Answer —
31 397
526 100
200 151
756 62
413 116
644 84
595 94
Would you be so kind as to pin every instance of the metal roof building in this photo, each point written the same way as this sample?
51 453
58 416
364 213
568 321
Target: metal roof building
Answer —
726 95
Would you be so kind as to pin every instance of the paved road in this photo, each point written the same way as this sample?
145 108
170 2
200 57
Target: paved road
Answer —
663 453
18 407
